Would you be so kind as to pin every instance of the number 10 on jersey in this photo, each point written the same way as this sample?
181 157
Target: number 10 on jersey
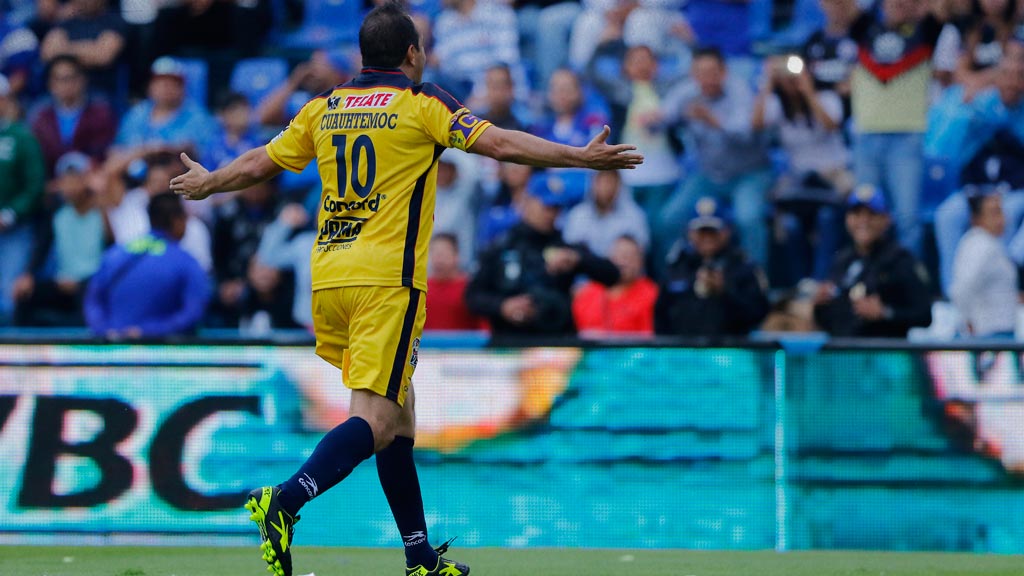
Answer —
348 164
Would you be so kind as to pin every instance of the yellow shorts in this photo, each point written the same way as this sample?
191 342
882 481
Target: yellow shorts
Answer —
372 333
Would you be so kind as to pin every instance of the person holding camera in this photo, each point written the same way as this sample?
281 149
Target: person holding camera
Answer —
711 288
523 284
808 123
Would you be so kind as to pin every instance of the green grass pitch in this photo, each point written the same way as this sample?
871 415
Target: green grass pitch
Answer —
160 561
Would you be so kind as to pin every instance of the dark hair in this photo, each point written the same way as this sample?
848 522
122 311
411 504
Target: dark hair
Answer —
446 237
232 99
709 52
65 59
386 34
502 67
976 196
164 209
1009 12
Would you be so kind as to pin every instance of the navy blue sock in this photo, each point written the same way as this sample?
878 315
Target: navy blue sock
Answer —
334 458
397 471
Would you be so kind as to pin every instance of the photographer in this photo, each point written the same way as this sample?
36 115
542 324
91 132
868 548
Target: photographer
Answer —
711 288
523 284
809 127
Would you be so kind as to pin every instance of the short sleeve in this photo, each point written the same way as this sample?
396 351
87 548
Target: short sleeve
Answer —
772 110
293 148
447 121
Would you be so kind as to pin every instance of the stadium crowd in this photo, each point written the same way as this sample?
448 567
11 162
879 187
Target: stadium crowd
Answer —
810 164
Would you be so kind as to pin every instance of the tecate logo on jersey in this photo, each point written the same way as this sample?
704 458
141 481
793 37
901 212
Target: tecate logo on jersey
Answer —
375 100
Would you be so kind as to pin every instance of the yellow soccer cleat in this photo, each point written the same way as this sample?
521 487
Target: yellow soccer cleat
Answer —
276 529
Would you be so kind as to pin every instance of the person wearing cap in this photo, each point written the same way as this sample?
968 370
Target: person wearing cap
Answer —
72 119
95 35
711 287
166 120
22 177
74 239
524 281
985 286
876 287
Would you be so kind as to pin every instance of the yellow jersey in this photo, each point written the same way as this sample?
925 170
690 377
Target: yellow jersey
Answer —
376 140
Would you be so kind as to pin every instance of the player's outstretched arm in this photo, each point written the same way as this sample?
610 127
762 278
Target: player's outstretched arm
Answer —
523 148
249 169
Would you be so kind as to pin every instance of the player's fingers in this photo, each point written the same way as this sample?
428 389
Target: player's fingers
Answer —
189 163
603 136
622 148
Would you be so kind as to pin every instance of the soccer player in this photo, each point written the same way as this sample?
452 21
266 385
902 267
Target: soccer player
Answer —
376 140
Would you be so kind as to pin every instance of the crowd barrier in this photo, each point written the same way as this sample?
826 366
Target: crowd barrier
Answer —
849 445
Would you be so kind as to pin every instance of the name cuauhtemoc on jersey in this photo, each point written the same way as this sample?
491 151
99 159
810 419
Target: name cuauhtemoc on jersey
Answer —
376 140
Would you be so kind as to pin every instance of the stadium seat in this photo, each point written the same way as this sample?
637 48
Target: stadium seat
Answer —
196 75
326 22
257 77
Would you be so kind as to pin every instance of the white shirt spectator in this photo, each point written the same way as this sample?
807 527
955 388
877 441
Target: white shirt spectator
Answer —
585 224
984 286
129 221
468 44
809 146
455 208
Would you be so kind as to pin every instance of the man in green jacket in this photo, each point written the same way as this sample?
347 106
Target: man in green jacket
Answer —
22 178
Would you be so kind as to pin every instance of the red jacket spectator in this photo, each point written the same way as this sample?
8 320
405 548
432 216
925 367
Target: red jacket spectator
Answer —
620 309
446 288
626 307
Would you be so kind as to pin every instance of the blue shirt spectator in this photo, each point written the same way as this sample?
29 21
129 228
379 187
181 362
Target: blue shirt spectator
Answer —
150 287
165 119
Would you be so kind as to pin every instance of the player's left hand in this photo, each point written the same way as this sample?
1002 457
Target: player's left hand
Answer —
599 155
192 184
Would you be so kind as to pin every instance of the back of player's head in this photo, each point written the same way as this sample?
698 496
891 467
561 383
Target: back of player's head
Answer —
386 34
164 210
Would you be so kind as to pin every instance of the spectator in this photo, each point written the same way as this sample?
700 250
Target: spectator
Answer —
570 123
545 27
522 286
876 288
150 288
732 159
19 56
165 120
458 194
471 36
607 214
984 43
890 103
659 24
235 134
624 308
286 245
94 34
503 211
634 106
710 287
236 27
446 287
71 119
22 176
830 54
127 210
499 99
237 227
979 136
985 289
808 123
75 236
322 71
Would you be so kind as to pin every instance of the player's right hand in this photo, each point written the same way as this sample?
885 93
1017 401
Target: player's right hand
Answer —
192 184
599 155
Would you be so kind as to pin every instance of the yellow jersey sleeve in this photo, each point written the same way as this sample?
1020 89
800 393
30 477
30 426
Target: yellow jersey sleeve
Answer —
294 148
448 122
